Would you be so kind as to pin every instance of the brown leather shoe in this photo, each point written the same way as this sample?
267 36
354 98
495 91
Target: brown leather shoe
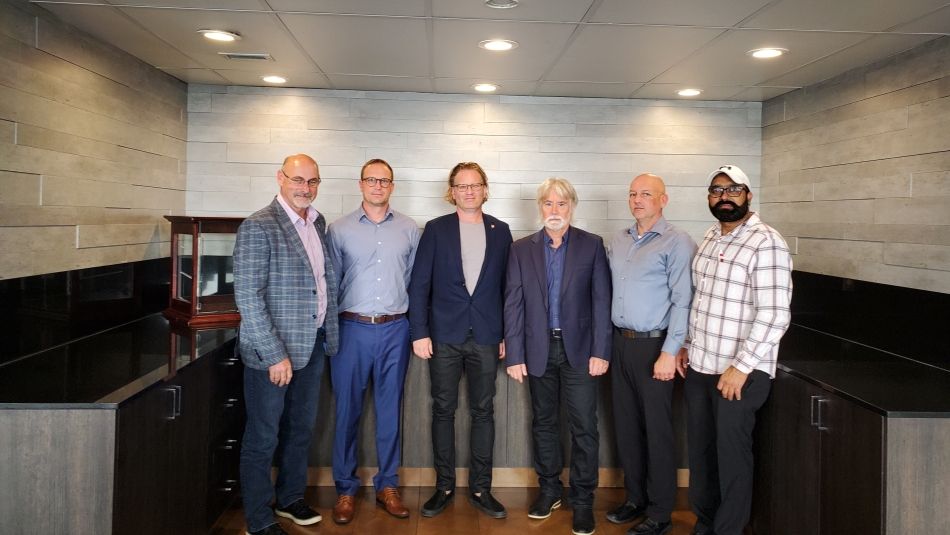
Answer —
344 509
389 499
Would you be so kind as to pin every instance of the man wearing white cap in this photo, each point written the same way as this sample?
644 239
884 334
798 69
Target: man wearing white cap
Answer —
742 275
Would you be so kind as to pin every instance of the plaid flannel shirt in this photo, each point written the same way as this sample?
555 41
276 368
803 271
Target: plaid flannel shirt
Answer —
740 309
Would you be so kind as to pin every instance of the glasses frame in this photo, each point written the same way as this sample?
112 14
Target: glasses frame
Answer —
730 191
371 181
300 181
475 188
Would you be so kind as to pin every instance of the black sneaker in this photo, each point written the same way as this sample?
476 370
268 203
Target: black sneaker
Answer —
626 512
437 503
487 504
273 529
583 521
651 527
300 513
543 506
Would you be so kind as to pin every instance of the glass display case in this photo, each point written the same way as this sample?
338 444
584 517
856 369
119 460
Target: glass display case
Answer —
202 278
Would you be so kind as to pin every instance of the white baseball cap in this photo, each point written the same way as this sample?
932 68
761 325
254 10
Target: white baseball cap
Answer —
737 175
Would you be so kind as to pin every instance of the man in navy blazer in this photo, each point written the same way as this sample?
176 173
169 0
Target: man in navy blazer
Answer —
558 334
455 313
286 290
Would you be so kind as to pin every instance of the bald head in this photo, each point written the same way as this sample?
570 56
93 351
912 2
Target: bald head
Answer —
647 197
298 159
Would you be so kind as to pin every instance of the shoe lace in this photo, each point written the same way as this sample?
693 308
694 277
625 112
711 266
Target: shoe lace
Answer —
390 493
343 499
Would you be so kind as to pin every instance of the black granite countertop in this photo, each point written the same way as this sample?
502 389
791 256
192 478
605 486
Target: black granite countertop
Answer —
888 384
105 368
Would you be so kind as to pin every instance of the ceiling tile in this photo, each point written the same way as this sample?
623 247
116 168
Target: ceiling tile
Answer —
668 92
678 12
412 8
725 61
586 89
857 15
457 54
381 83
197 76
110 25
363 45
296 78
200 4
549 10
464 85
761 94
626 53
877 47
937 21
260 32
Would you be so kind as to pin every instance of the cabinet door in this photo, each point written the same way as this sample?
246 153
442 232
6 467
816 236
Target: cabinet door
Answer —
188 450
796 463
852 468
142 463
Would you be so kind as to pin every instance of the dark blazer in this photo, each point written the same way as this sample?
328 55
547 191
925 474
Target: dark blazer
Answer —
275 291
585 302
439 304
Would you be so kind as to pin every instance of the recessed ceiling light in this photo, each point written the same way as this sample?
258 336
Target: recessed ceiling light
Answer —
765 53
485 88
689 92
274 79
501 4
498 45
220 35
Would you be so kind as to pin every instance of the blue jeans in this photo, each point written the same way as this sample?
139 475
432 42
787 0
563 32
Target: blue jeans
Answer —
278 416
381 352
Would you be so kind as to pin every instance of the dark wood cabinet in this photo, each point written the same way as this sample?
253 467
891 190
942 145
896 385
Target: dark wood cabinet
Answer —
823 463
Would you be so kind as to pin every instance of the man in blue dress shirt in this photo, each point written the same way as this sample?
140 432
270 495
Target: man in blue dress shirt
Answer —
650 266
373 247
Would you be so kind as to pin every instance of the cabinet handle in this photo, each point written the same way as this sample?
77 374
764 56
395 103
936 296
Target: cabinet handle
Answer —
228 444
230 402
814 411
174 390
228 486
821 424
229 362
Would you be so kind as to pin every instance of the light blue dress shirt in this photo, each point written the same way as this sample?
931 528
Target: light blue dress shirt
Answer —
374 261
652 287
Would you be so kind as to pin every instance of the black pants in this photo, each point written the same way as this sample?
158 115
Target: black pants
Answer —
480 364
720 449
643 419
580 393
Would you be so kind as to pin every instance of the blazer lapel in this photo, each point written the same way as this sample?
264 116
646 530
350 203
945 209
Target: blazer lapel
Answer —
540 267
455 247
569 262
291 233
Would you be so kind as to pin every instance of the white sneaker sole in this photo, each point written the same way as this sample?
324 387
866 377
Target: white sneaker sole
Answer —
300 521
555 505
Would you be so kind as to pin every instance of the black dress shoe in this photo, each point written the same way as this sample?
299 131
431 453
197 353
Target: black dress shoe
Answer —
543 506
701 529
651 527
626 512
487 504
583 521
437 503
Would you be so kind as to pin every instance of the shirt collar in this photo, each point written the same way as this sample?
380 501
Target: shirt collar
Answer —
293 215
362 213
548 240
659 227
741 229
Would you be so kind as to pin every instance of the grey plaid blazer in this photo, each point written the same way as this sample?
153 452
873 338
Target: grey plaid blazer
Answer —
276 293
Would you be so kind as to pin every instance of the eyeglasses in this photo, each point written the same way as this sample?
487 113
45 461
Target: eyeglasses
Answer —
462 188
300 181
372 181
732 191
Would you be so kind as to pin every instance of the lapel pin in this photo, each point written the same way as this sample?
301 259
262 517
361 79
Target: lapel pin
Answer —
492 226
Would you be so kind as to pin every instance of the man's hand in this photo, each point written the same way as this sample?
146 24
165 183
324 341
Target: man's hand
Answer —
422 348
730 383
281 372
501 350
597 366
682 362
664 369
518 372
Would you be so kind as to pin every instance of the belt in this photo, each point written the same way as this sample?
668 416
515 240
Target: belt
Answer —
656 333
372 320
556 334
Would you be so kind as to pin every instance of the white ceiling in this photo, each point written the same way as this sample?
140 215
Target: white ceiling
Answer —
586 48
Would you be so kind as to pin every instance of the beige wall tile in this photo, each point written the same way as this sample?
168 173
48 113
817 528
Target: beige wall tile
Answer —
863 188
935 257
787 193
862 211
19 188
931 184
88 236
915 211
16 22
855 250
7 131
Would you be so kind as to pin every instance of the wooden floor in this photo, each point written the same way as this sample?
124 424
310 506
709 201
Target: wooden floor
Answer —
460 518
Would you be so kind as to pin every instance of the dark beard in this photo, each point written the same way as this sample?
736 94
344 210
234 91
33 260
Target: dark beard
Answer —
728 216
